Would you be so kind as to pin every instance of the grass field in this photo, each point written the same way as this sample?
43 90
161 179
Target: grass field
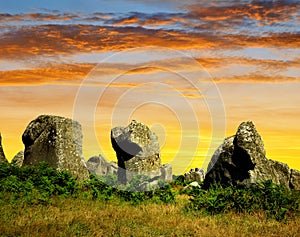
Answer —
39 201
82 217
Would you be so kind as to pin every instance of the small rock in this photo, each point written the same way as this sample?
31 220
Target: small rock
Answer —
98 165
194 175
166 173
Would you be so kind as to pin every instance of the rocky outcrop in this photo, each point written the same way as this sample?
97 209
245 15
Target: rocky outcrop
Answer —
241 161
194 175
57 141
137 150
18 159
2 155
98 165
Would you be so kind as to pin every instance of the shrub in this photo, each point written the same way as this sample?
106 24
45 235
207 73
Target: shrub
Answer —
276 201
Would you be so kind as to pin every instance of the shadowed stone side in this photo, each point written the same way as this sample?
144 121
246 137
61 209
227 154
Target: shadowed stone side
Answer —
241 161
57 141
2 155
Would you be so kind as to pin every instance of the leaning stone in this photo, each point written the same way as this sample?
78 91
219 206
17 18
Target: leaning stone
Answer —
137 150
57 141
2 155
18 159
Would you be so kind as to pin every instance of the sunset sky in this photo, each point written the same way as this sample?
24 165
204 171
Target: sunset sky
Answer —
191 70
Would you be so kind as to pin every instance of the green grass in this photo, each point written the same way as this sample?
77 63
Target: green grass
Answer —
38 201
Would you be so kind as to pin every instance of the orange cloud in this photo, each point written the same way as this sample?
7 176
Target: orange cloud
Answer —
52 40
54 74
63 73
255 77
265 12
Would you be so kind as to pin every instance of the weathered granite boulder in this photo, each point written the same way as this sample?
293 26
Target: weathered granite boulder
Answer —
98 165
18 159
194 175
57 141
2 155
241 161
137 150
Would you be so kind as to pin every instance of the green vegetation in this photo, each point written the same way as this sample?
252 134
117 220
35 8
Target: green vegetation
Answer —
39 201
276 201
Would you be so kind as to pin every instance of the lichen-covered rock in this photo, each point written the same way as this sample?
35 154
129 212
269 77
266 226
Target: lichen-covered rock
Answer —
2 155
57 141
194 175
241 161
18 159
98 165
295 179
137 150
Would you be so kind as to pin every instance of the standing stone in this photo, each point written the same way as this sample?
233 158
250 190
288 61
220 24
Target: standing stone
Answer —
137 150
18 159
57 141
2 155
241 161
98 165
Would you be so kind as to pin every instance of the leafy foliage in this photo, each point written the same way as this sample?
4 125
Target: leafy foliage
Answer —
38 185
275 200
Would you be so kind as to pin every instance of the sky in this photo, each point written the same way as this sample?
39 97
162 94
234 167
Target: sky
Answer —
191 70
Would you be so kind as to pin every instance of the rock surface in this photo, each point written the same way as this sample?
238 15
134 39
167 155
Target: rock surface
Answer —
166 173
241 161
137 150
57 141
295 179
98 165
2 155
194 175
18 159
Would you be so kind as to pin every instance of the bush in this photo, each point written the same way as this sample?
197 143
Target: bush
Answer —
276 201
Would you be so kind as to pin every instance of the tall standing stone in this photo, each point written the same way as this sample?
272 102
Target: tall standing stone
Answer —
2 155
57 141
137 150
